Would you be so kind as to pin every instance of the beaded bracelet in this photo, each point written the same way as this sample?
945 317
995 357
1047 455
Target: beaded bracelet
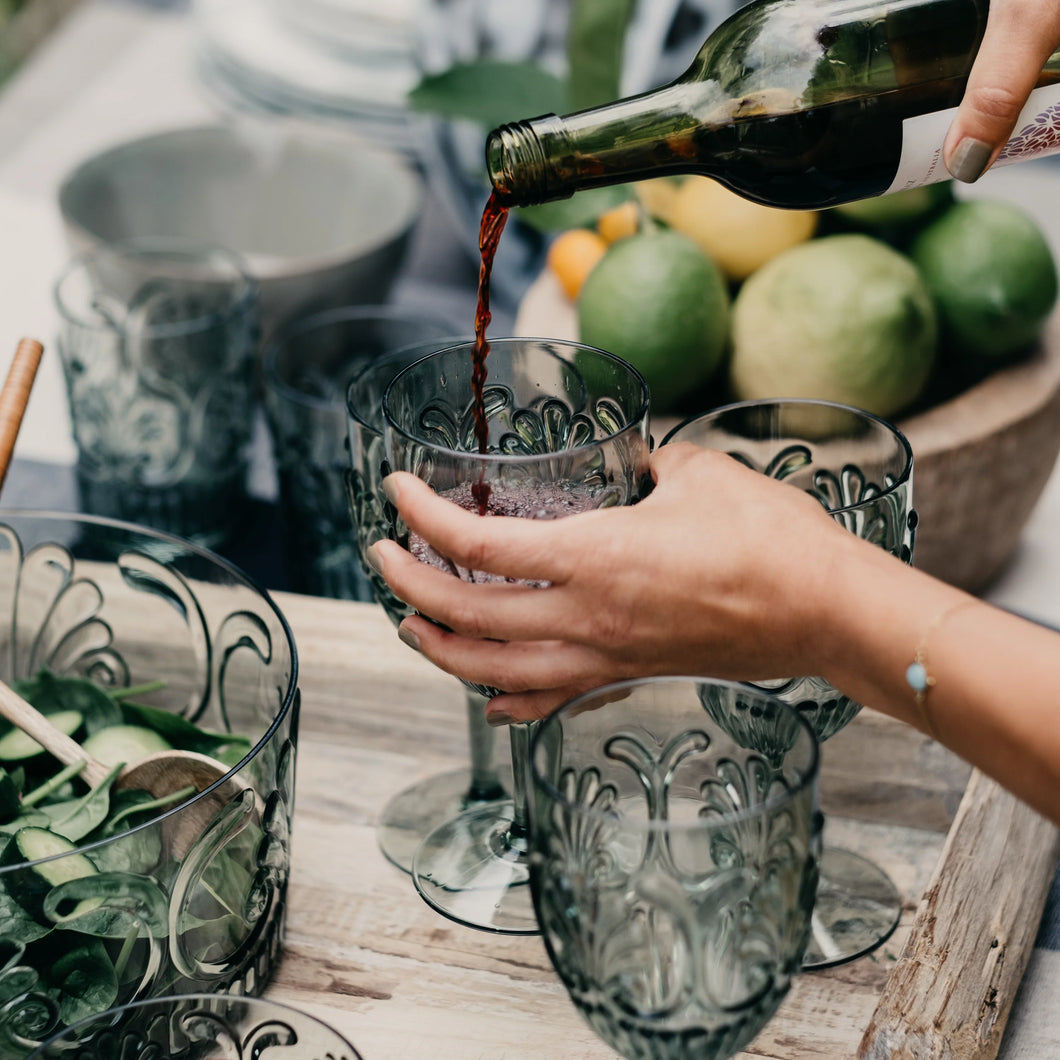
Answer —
916 674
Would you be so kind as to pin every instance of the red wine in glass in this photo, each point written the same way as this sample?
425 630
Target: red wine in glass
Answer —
526 501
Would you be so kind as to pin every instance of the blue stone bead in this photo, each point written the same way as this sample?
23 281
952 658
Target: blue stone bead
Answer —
917 676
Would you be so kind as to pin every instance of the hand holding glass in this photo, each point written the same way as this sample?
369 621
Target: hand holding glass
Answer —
568 431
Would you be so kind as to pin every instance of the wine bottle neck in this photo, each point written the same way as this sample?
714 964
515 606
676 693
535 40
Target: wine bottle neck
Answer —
522 161
547 158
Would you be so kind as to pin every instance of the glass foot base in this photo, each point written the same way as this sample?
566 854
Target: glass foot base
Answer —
857 908
468 871
417 810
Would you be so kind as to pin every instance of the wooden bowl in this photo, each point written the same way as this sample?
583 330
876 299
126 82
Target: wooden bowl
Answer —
980 460
980 463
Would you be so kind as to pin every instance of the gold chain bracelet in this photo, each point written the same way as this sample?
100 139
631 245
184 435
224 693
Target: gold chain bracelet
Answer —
917 676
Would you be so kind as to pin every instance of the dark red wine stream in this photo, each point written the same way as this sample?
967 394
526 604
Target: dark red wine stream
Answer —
494 217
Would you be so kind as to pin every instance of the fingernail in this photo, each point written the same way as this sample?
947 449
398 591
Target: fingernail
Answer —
497 718
406 636
390 489
969 160
375 561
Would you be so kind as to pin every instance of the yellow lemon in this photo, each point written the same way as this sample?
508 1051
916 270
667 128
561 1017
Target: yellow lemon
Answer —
738 234
658 195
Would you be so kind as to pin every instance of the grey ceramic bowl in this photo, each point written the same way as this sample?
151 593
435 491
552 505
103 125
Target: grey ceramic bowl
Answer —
320 219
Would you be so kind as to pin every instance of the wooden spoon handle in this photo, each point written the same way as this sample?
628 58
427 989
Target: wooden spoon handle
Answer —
33 723
13 399
15 395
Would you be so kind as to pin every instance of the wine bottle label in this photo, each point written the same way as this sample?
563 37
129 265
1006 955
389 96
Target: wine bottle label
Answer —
1037 133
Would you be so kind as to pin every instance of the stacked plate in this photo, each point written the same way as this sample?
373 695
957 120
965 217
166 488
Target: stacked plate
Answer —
347 60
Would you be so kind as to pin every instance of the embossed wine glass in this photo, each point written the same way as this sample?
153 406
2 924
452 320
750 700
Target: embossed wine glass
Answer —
307 364
673 866
861 470
419 808
567 432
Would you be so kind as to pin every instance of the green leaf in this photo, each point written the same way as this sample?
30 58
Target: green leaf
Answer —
579 211
110 905
140 852
595 39
490 92
30 819
84 981
17 924
50 693
74 819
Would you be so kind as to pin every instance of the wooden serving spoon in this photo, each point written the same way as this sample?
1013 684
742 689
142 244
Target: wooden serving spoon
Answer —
162 773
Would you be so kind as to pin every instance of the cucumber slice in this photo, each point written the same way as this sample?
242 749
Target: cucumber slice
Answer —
30 886
118 744
16 746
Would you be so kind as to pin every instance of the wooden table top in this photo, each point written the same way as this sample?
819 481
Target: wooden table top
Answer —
366 954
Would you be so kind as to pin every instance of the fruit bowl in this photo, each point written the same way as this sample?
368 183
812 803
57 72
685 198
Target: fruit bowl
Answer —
982 458
125 898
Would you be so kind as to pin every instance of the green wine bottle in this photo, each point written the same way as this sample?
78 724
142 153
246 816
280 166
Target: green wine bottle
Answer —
792 103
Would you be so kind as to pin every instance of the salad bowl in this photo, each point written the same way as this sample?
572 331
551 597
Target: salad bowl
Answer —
133 642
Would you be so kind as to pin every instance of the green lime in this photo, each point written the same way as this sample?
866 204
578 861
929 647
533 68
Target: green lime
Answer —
992 275
900 208
656 300
845 318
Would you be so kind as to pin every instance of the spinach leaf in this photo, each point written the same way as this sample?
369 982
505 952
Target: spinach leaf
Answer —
596 37
138 853
30 819
18 925
75 818
233 753
213 941
490 92
83 980
112 905
131 806
49 693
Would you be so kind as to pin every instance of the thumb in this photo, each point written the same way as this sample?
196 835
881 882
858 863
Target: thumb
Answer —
1020 36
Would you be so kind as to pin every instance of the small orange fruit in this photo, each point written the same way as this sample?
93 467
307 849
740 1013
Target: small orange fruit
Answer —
620 221
573 255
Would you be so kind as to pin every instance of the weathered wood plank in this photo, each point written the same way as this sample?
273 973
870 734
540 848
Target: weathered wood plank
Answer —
952 990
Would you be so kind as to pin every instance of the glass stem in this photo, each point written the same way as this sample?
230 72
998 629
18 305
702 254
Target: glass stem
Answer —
485 784
519 829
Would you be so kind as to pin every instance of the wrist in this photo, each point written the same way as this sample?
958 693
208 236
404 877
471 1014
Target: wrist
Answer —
877 626
868 593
